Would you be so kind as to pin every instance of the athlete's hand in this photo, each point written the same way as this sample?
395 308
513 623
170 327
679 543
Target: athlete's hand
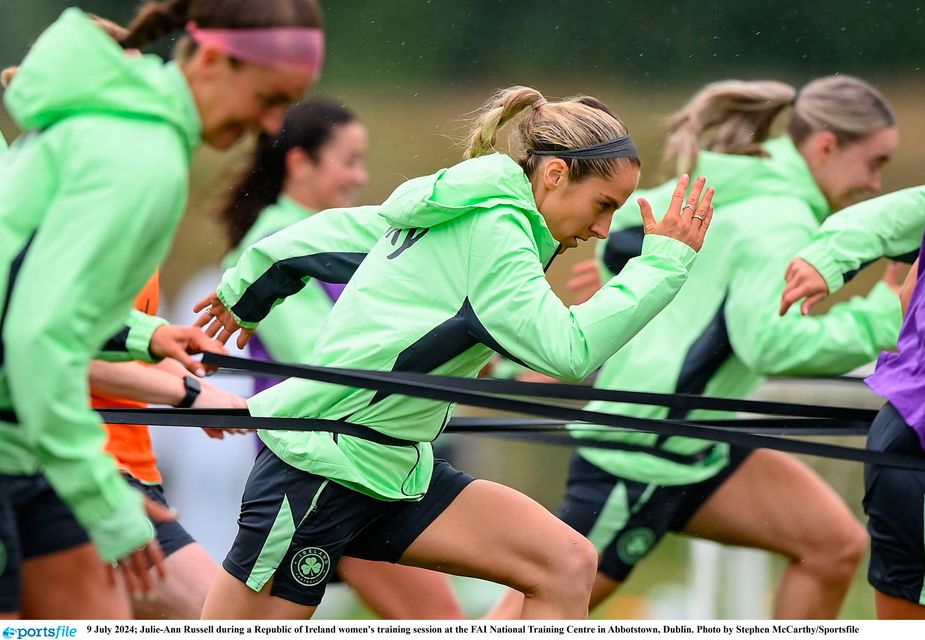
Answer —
218 433
218 322
212 397
803 281
173 341
585 281
135 567
686 220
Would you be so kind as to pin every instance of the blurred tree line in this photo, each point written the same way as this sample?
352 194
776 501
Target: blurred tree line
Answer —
646 43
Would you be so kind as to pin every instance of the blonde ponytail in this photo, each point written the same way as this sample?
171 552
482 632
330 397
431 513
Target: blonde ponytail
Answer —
572 123
493 115
734 115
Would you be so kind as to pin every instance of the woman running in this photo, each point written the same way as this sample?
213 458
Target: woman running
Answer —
891 225
318 162
458 273
92 193
722 335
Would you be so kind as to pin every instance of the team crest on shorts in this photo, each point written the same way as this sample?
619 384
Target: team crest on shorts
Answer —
310 566
634 544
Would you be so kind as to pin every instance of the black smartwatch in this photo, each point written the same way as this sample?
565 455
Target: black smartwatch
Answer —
193 389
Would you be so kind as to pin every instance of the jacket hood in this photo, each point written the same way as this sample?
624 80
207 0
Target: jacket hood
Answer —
75 67
480 183
784 172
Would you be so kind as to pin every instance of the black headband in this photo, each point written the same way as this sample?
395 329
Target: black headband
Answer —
621 147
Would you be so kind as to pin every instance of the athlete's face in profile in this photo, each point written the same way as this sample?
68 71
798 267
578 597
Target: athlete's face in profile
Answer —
848 173
235 98
578 211
332 179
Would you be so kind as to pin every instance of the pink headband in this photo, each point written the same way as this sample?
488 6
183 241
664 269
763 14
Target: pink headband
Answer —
300 47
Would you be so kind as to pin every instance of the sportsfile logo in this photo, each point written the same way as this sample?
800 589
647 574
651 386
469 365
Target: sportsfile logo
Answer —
20 633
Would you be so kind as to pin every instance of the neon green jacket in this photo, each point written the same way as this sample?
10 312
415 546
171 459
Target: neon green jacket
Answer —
290 331
90 197
889 226
459 273
722 334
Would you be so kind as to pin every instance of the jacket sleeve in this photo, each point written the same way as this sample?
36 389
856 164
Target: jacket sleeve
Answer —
290 331
888 226
849 335
328 246
133 341
76 285
516 312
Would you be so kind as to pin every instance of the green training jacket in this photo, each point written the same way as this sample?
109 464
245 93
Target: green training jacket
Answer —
458 274
889 226
92 193
722 335
289 332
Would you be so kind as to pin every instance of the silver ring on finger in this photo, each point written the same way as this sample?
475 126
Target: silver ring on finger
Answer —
699 217
209 312
687 205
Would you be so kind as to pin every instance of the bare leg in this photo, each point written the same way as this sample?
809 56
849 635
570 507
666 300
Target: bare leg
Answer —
231 599
603 587
776 503
396 592
190 572
493 532
893 608
510 606
72 584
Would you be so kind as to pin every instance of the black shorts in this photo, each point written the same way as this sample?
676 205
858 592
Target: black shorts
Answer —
894 501
295 526
171 536
34 522
624 519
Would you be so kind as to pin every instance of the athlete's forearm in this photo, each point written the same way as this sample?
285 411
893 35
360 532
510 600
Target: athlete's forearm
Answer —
132 342
135 381
887 226
328 246
850 335
530 323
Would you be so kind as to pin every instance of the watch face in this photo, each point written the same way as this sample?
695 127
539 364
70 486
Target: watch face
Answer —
193 388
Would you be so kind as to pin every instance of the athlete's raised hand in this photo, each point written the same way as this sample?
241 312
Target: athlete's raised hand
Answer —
218 322
686 220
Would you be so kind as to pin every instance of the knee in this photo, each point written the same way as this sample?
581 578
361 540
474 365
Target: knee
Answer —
570 569
586 561
835 557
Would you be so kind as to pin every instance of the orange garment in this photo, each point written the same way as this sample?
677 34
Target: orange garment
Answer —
130 444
